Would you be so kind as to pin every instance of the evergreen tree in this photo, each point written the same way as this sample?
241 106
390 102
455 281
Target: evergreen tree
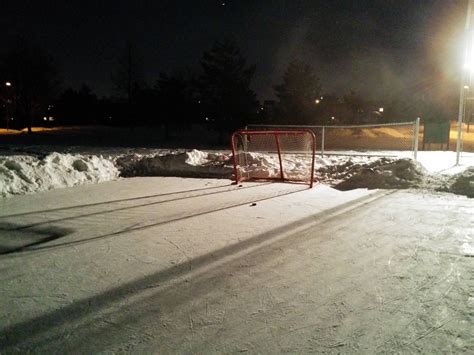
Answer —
354 105
225 94
77 106
177 100
298 95
129 81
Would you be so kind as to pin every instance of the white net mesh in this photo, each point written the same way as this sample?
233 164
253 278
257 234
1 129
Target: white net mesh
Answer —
281 155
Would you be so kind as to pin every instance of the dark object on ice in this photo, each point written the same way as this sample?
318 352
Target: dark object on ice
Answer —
253 204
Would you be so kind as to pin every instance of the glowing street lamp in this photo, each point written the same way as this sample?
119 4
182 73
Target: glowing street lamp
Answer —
317 101
381 109
469 67
7 106
469 50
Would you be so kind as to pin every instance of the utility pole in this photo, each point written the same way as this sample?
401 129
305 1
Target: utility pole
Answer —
469 57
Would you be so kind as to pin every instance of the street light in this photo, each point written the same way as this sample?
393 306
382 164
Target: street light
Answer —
469 66
8 84
7 106
381 109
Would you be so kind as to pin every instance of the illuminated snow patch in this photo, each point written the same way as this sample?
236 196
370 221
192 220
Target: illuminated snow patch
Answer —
21 174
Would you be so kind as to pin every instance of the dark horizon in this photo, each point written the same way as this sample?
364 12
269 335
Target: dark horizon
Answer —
375 47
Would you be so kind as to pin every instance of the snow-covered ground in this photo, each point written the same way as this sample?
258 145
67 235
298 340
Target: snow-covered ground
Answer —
38 169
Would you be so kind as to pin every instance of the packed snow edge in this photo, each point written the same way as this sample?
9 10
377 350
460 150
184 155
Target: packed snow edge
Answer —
30 173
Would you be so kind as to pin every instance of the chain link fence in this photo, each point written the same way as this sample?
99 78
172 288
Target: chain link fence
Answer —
371 139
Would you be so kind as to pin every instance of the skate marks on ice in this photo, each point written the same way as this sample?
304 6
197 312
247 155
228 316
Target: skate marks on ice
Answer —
49 331
115 209
381 281
129 199
382 275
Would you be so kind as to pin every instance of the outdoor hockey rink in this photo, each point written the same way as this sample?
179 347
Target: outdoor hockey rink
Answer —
203 266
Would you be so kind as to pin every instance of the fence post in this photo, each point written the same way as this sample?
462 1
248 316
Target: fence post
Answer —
415 138
245 143
322 143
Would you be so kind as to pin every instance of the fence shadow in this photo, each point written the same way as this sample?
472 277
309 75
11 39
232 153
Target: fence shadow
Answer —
14 241
113 201
32 225
152 225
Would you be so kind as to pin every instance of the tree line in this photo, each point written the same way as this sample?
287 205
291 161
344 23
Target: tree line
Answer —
218 95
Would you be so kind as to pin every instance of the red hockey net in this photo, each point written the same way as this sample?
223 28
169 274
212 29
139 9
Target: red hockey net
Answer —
285 155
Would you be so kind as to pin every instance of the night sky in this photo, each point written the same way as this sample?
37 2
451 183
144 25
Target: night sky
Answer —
376 47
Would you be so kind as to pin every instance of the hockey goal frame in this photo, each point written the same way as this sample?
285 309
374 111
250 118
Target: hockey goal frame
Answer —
276 133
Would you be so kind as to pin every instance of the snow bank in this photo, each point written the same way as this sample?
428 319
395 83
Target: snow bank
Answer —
33 172
386 174
188 164
333 170
461 184
20 174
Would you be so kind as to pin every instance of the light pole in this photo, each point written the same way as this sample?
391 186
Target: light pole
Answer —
469 65
8 84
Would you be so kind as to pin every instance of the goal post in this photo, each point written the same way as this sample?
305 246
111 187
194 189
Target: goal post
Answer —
283 155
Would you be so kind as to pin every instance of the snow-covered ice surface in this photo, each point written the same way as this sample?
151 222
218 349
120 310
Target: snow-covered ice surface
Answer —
186 265
38 169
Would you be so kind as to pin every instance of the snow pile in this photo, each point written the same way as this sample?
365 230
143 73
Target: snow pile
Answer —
263 166
386 174
333 170
461 184
39 171
328 170
188 164
20 174
343 172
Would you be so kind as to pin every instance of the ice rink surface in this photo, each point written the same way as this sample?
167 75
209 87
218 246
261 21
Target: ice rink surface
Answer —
167 264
